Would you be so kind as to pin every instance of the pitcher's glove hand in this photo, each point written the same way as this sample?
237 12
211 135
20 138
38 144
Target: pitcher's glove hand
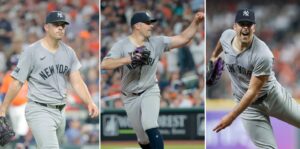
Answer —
6 131
214 71
140 56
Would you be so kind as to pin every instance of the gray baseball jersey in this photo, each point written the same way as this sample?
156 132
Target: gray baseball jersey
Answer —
257 60
276 101
46 72
137 79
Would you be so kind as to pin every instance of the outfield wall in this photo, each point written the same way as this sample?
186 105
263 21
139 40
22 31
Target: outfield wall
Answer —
175 124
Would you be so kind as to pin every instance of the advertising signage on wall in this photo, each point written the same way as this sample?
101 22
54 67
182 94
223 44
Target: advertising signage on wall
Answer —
174 124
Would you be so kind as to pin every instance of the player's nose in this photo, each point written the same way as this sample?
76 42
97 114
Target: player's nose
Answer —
151 27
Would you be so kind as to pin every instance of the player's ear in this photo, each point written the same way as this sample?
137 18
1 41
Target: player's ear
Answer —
253 28
234 26
46 27
138 25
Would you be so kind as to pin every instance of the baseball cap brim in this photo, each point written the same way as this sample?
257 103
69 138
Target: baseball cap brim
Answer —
245 20
153 20
150 21
67 23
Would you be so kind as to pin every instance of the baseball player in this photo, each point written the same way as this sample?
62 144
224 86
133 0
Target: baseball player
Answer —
140 91
249 63
47 65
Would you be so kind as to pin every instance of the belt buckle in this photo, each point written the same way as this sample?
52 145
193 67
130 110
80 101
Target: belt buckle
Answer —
59 107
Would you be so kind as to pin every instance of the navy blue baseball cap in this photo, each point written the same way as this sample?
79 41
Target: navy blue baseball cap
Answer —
144 17
56 16
246 15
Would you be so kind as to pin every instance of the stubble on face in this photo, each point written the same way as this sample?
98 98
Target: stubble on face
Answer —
245 32
56 31
147 29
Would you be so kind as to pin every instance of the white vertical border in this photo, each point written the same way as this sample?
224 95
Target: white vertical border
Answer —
205 60
99 63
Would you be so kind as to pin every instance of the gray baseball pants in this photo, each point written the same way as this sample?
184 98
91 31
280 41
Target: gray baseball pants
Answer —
279 104
47 125
142 112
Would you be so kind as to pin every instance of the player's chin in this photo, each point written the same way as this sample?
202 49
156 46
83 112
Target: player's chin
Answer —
59 37
148 34
245 39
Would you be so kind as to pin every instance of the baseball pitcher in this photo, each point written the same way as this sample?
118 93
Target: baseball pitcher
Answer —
47 65
136 57
258 94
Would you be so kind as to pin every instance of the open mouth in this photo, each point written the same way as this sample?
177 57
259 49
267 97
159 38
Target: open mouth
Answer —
245 33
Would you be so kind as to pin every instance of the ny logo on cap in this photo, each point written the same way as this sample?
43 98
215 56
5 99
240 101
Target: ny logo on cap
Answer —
59 14
246 13
148 14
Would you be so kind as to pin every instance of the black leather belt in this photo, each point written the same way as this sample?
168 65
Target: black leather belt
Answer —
260 99
59 107
133 94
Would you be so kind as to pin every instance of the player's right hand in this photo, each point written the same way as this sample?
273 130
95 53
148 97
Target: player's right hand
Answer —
93 110
199 17
2 111
225 122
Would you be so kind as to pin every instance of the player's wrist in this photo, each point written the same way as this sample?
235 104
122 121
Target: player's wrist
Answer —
126 60
2 111
89 102
213 58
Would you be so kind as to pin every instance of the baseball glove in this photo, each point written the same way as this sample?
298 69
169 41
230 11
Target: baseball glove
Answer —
6 132
214 71
140 56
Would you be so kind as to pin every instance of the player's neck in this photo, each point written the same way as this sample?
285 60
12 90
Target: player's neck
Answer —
137 39
238 46
50 44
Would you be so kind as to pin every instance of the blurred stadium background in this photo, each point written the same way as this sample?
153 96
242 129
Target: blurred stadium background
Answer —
180 72
21 23
278 24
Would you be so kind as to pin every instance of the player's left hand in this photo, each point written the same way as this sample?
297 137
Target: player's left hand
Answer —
199 17
93 109
225 122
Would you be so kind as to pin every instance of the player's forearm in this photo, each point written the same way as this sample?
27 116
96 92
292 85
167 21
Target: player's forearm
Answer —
188 34
80 87
115 63
247 99
256 83
217 51
13 90
82 91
